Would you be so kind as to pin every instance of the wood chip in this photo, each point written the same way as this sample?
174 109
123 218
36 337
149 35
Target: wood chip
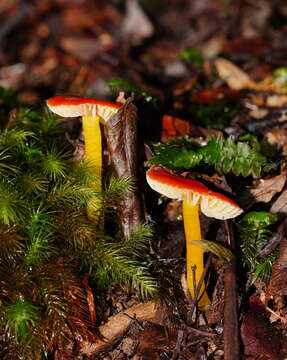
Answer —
116 325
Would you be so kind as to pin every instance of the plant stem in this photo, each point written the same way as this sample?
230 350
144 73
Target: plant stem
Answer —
93 149
194 254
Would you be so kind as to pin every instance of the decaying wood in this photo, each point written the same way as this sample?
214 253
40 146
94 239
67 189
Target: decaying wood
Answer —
231 326
122 140
116 326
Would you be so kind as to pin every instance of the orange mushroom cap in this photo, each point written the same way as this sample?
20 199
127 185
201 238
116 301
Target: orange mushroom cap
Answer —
73 105
212 203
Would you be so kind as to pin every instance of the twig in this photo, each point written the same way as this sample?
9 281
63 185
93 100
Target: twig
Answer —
231 326
192 330
135 320
283 319
179 339
274 240
200 283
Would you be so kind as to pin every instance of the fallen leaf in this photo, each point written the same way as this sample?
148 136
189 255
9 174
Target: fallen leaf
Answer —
153 339
278 138
280 205
233 75
260 338
239 80
211 96
173 127
265 191
122 141
184 86
278 281
12 76
85 48
136 25
276 100
258 113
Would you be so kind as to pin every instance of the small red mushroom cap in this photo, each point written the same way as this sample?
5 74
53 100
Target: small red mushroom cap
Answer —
73 105
212 203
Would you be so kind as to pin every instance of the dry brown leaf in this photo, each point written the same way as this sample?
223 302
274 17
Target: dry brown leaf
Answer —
278 282
276 100
260 338
11 76
86 48
233 75
119 323
238 79
136 25
280 205
258 113
123 146
155 338
173 127
278 138
265 191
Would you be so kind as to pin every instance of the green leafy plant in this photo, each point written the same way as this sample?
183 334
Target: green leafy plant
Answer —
239 158
194 55
120 83
281 76
47 242
253 234
216 115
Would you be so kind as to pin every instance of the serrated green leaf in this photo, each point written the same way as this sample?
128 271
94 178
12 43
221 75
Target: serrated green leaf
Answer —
239 158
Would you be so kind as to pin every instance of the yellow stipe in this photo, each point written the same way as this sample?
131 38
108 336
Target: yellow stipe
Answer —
93 150
194 254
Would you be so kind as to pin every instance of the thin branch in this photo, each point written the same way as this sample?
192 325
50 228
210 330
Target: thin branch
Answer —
231 334
198 288
274 240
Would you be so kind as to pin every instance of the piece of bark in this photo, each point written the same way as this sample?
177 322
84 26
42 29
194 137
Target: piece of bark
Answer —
116 326
122 140
231 327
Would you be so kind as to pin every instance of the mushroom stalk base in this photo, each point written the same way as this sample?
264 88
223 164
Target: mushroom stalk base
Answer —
194 254
93 150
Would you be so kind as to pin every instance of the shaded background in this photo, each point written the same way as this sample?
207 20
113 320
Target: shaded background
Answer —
76 46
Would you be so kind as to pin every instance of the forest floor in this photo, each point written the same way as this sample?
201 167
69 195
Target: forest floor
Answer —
197 69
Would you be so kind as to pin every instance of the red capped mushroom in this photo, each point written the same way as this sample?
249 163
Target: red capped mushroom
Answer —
92 112
194 196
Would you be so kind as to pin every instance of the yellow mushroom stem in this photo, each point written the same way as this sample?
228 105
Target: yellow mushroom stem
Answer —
194 254
93 150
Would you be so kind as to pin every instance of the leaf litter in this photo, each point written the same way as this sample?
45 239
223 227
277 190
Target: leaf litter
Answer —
199 70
